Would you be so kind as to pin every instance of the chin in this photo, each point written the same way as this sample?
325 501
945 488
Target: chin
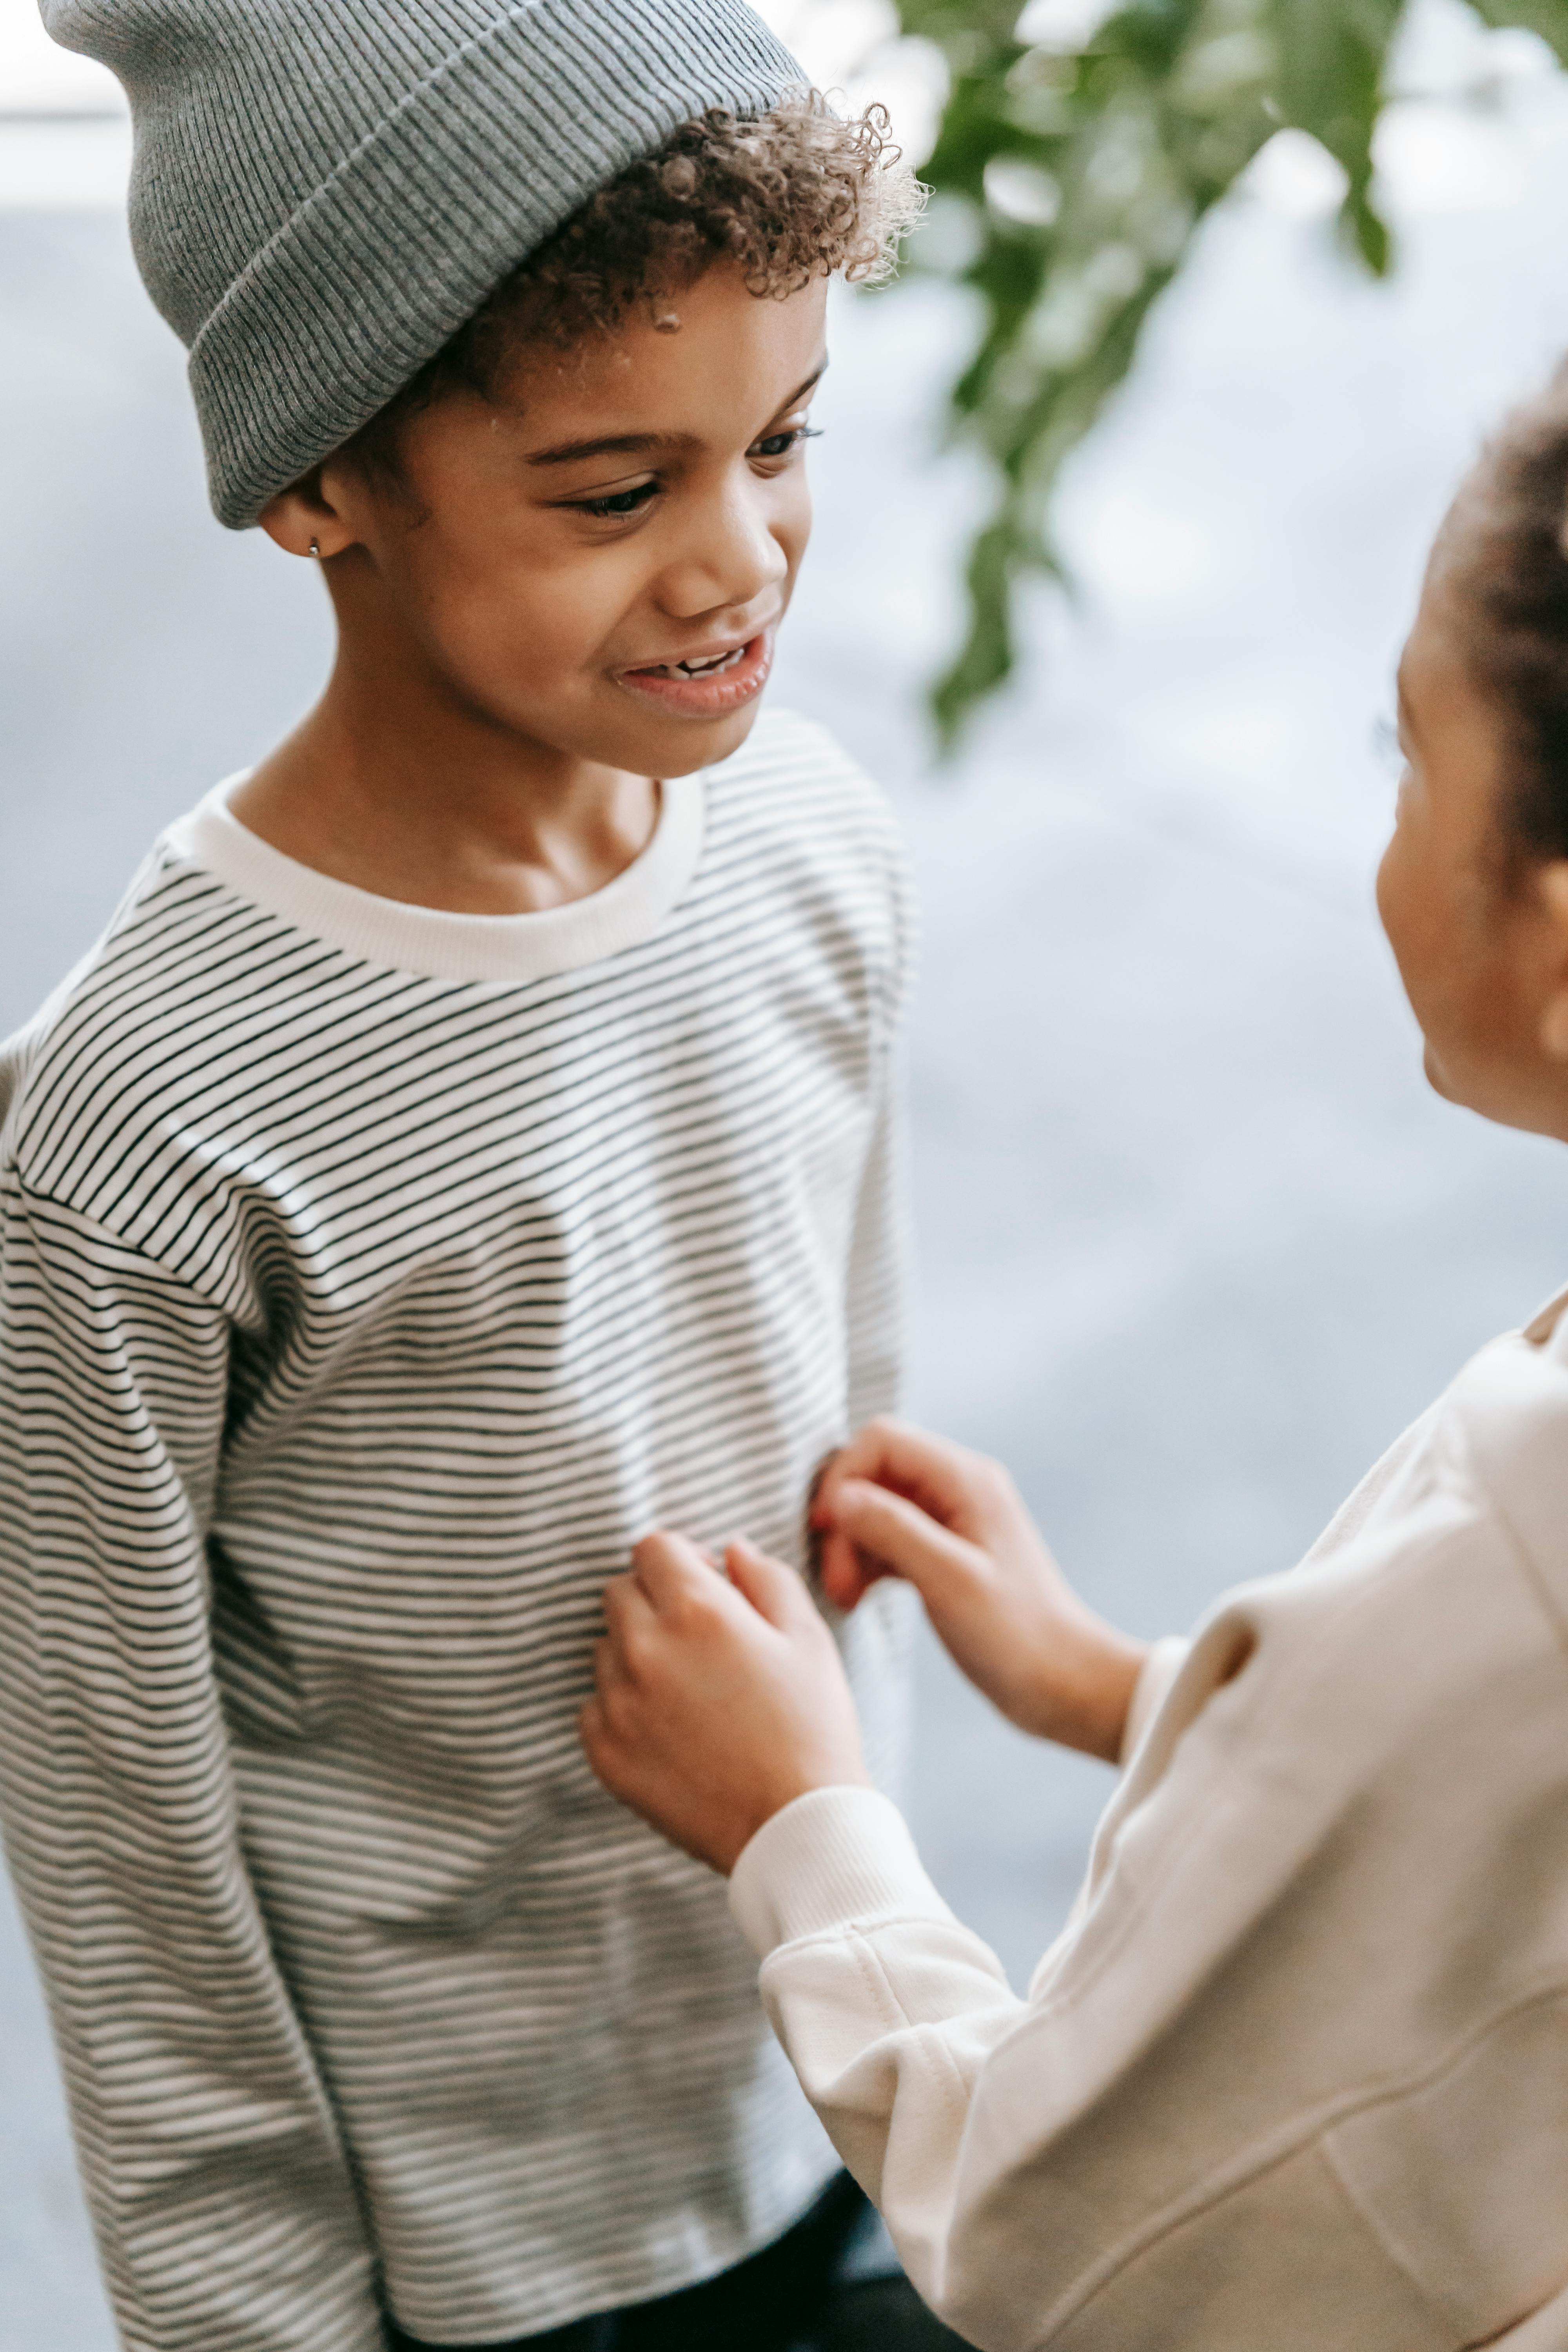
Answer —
1434 1078
1454 1091
1498 1099
680 751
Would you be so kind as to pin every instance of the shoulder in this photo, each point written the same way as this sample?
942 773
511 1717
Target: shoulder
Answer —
1337 1725
101 1080
31 1060
1440 1593
1504 1425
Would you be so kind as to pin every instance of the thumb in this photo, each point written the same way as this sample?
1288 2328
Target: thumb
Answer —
774 1591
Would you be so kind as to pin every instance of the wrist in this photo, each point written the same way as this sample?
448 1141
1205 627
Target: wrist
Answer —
1081 1694
844 1771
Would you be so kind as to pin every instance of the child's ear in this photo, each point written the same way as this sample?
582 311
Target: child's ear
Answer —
304 520
1552 881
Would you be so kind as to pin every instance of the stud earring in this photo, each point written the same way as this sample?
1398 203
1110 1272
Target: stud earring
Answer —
315 547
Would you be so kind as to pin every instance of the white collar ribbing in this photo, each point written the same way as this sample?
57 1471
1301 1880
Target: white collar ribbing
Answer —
442 946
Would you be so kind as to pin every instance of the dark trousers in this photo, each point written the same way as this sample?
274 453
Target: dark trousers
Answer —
802 2294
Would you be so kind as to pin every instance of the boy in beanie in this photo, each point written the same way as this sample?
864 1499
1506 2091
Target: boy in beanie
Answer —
470 1146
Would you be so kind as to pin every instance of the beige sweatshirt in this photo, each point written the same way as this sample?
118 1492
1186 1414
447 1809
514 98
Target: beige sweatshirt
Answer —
1294 2078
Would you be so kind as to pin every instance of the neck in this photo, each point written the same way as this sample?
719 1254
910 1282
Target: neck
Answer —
396 785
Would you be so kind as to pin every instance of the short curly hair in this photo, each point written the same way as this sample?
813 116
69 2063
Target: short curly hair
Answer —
1504 548
796 193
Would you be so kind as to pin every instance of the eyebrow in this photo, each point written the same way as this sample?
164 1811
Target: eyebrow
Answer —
638 445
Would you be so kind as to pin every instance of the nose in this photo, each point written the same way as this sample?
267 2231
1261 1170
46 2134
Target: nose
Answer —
730 553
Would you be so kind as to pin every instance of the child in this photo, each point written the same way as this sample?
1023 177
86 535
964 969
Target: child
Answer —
1293 2076
473 1141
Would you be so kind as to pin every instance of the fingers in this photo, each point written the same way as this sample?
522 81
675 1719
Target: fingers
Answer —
670 1572
630 1622
845 1574
668 1568
945 1479
628 1652
899 1534
774 1591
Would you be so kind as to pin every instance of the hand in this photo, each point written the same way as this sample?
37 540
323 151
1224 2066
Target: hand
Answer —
717 1700
898 1502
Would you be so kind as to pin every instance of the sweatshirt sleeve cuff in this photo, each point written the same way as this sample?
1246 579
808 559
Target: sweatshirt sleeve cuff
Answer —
1160 1667
833 1858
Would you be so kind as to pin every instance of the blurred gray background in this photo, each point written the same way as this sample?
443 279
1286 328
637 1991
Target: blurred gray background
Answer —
1195 1241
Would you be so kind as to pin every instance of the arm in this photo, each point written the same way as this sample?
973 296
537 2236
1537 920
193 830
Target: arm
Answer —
889 2009
223 2203
1275 2064
1132 2158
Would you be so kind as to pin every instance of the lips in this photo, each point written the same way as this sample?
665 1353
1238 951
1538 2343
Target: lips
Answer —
705 686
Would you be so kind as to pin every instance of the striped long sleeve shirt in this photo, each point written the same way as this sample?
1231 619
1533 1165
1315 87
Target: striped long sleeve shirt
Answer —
371 1277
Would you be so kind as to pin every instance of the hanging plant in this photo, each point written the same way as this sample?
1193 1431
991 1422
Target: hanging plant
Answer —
1076 174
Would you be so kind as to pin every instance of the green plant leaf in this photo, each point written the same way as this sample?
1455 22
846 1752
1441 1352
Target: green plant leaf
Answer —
1084 173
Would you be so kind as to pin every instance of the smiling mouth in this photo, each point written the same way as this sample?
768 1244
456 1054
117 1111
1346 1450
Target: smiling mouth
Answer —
705 686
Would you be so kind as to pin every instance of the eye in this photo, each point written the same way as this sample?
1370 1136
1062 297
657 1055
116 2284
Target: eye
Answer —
618 503
779 445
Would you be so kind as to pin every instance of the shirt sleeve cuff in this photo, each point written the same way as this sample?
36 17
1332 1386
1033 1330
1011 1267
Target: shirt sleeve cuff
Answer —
833 1858
1160 1667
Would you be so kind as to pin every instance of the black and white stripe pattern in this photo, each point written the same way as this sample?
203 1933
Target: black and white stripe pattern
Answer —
353 1322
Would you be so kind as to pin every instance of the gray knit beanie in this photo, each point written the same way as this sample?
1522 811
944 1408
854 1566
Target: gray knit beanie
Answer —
324 190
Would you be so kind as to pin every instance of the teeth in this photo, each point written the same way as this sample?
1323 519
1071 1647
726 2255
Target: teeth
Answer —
706 669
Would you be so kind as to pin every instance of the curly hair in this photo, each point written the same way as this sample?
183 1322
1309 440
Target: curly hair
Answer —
794 194
1506 544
